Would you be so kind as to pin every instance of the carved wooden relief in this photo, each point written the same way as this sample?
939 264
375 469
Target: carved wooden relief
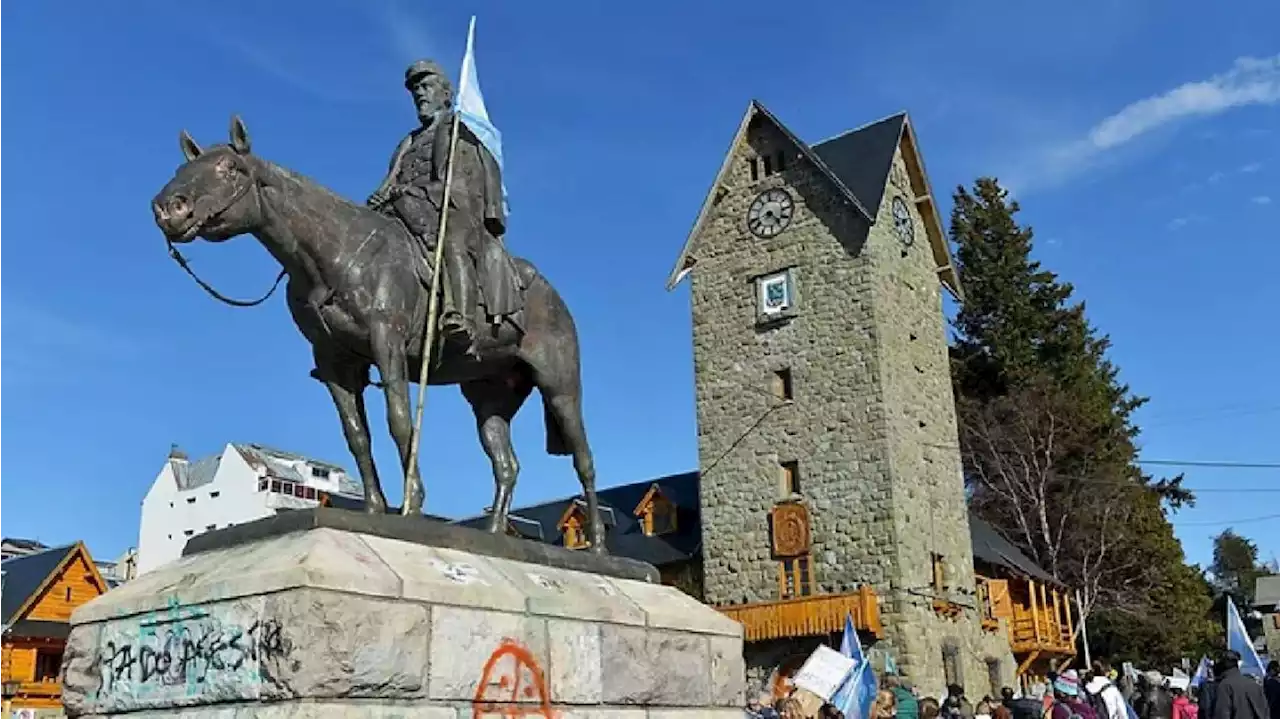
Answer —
790 530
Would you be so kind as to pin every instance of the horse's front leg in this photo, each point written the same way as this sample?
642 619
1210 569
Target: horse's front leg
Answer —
346 382
393 365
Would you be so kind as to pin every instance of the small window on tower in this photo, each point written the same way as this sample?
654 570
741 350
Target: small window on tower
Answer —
755 169
781 384
782 162
790 479
768 165
939 573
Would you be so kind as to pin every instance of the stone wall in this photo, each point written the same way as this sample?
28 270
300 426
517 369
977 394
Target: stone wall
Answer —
872 423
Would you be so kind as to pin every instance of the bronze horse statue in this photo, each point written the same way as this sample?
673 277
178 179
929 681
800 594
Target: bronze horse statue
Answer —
376 316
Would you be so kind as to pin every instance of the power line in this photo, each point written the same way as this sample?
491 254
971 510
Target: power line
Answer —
1213 523
1198 463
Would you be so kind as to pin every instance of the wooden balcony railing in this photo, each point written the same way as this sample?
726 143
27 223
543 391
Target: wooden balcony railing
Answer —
808 616
50 689
1039 618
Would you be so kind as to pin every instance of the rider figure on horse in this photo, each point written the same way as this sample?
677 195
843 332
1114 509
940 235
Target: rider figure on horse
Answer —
478 270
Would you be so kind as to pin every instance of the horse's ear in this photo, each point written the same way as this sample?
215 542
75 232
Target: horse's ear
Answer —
190 149
239 135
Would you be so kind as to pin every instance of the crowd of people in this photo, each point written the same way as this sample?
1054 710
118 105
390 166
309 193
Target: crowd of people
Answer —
1101 693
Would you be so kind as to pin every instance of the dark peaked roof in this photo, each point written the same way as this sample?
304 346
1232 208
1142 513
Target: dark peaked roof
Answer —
24 576
625 536
862 158
857 163
990 547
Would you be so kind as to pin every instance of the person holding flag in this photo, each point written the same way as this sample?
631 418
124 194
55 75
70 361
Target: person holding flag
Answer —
454 159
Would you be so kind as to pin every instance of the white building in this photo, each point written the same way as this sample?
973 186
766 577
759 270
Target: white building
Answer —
243 483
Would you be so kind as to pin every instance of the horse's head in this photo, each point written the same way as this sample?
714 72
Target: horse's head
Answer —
212 195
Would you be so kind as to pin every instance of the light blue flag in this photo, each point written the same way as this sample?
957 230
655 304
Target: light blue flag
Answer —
856 694
1238 641
469 104
1202 673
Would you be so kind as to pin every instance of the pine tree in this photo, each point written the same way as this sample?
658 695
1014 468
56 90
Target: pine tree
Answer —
1047 433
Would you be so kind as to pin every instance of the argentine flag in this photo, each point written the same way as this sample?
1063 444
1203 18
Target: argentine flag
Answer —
856 694
1238 640
469 104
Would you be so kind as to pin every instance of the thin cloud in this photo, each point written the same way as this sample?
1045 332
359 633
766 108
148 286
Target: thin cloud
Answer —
1250 81
1261 200
45 344
1178 223
1251 167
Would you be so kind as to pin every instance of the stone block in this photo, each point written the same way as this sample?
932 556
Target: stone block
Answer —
323 558
447 576
494 656
727 670
570 595
665 609
575 669
654 667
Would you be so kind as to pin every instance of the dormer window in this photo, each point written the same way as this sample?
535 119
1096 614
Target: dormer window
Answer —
320 472
657 513
573 527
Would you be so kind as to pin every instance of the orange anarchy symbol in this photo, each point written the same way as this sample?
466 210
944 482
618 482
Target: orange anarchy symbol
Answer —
512 685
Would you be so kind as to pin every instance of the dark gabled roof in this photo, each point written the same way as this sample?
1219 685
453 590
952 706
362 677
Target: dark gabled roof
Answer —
862 158
625 536
24 576
990 547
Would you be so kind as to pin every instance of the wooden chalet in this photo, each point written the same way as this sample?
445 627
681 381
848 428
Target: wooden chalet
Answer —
1020 599
40 591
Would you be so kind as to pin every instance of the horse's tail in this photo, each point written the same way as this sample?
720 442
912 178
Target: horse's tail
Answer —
556 443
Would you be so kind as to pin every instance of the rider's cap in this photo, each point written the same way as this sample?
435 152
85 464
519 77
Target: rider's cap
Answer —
420 68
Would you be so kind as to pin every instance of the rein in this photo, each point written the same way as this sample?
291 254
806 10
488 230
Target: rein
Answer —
186 266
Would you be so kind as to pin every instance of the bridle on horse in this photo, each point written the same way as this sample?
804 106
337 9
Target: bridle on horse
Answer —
201 222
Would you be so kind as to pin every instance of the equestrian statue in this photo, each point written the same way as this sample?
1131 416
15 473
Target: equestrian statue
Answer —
360 282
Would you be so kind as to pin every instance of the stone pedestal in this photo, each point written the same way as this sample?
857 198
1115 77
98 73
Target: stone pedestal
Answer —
325 613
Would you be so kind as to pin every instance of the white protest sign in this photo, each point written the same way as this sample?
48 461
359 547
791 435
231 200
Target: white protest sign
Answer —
823 672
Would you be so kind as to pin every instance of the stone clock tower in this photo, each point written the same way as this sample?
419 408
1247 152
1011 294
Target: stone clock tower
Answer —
826 422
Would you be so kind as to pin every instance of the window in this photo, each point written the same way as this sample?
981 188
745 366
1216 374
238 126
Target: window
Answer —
993 676
661 518
781 162
214 494
188 532
775 296
574 537
211 527
321 472
309 493
780 384
299 490
67 593
191 500
795 577
790 479
951 663
262 485
275 485
939 573
755 169
48 664
768 165
286 488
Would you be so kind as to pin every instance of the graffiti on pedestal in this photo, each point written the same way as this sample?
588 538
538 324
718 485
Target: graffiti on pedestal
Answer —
188 652
512 684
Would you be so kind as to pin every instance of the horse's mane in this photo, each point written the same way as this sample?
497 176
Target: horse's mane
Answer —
282 174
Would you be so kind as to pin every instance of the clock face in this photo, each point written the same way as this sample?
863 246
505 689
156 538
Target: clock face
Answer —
903 226
770 213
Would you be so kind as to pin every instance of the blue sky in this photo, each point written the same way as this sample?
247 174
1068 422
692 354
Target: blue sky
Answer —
1142 138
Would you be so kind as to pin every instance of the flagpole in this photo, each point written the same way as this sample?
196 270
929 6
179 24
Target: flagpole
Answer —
433 305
